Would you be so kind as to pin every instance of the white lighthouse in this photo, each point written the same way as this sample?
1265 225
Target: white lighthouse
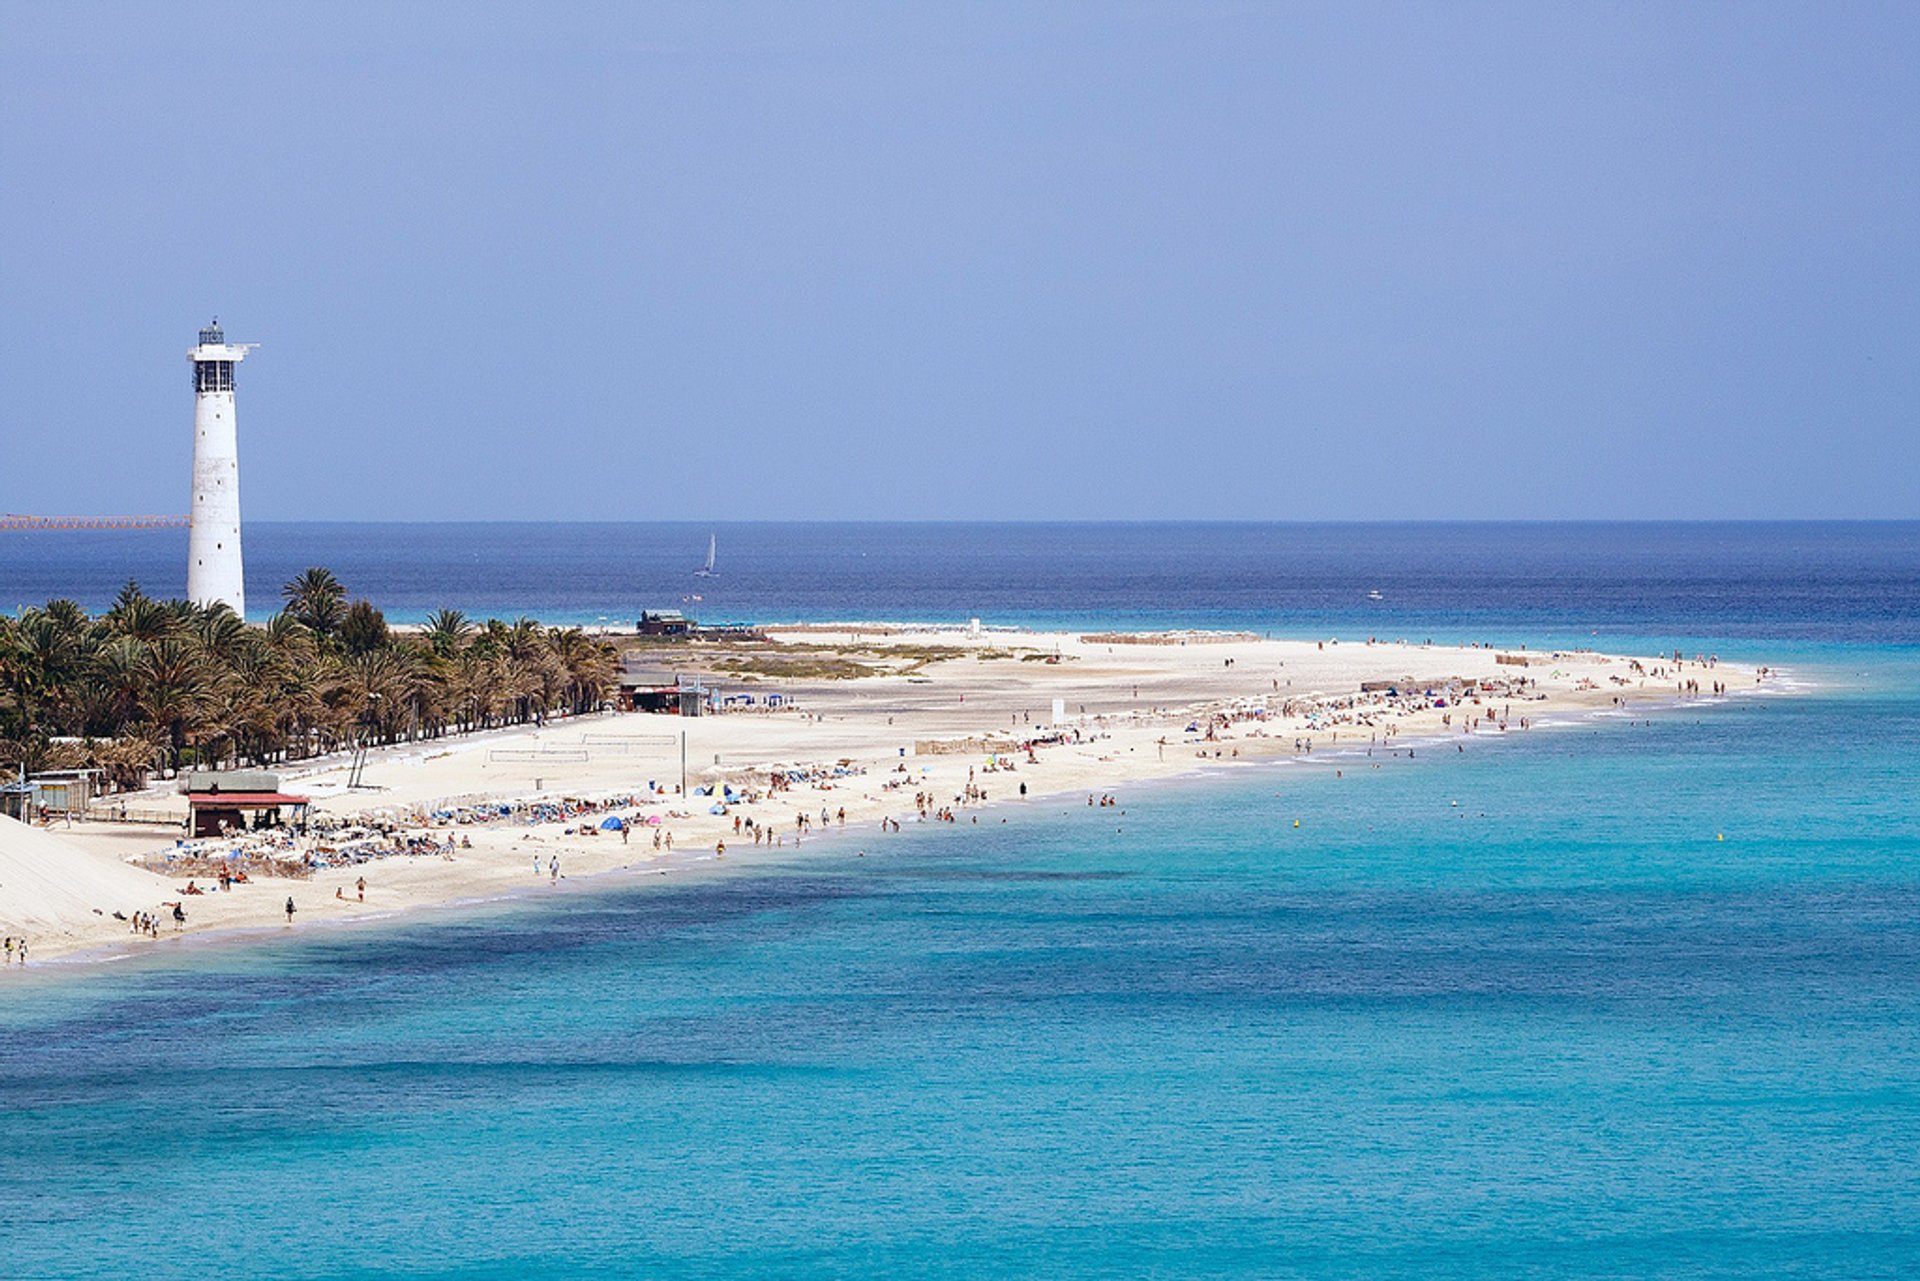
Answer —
213 539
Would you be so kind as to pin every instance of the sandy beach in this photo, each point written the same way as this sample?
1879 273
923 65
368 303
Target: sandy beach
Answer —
933 726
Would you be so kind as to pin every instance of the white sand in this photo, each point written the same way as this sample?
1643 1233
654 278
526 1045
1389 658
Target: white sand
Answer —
1138 700
56 891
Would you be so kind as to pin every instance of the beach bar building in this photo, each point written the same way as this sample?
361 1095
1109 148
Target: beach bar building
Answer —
234 800
652 689
666 622
16 801
66 792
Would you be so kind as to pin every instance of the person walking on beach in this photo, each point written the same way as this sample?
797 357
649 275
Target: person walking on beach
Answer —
361 886
178 914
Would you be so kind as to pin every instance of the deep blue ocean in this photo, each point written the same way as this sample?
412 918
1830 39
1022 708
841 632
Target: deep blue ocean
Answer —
1811 581
1636 1000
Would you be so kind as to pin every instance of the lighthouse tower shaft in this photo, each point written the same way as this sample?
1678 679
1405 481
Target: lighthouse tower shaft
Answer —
213 542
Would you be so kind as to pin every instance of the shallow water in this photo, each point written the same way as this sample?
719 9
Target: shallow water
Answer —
1557 1028
1615 999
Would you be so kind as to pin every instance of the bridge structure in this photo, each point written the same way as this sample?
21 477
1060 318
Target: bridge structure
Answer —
14 520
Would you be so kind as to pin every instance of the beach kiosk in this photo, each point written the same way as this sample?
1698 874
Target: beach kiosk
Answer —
16 801
65 792
666 622
654 690
235 800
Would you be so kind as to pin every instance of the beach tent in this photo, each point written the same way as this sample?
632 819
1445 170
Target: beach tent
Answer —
611 825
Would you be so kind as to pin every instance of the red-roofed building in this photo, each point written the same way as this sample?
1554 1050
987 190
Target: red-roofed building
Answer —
215 808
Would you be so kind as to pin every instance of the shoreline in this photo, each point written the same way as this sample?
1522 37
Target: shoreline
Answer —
1102 753
88 960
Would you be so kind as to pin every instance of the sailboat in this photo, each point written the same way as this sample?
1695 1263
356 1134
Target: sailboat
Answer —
706 570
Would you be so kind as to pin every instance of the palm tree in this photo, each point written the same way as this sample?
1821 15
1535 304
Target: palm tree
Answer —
138 617
588 665
151 679
15 716
300 709
447 632
222 634
286 634
370 695
46 655
318 600
115 675
480 687
174 681
68 616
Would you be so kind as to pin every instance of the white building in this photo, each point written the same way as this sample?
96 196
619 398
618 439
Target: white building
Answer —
213 540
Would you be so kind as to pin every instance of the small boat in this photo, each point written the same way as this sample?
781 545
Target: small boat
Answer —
706 570
1375 595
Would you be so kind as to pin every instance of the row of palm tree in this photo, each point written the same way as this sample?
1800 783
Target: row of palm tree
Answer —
166 684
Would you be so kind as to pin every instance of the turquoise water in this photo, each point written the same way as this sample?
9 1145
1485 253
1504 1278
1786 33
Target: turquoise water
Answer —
1516 1011
1519 1011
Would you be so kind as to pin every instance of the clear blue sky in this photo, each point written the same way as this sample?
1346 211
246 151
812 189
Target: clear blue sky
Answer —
897 261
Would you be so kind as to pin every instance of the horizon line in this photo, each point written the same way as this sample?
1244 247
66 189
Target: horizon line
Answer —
1078 521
